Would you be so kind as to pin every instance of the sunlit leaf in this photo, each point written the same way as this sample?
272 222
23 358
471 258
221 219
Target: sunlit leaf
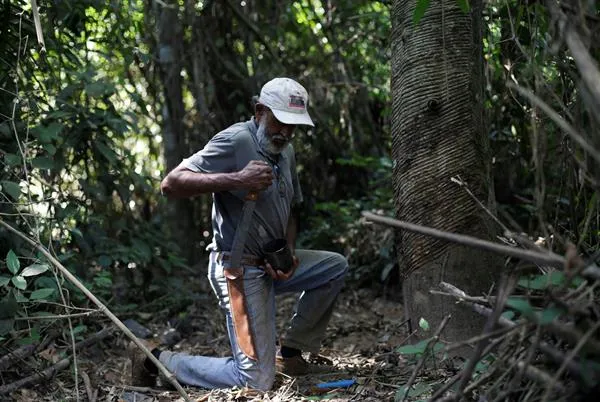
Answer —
424 324
40 294
35 269
12 262
19 282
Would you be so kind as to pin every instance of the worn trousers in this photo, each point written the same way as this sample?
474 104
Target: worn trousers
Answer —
319 277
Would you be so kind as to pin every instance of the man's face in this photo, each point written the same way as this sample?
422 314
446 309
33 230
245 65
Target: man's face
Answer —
274 135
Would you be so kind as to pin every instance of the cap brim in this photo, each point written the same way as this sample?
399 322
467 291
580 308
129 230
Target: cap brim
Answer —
293 118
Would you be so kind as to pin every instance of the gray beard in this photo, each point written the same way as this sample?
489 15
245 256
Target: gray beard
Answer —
265 141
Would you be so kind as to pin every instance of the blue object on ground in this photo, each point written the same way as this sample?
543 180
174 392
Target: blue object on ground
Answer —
337 384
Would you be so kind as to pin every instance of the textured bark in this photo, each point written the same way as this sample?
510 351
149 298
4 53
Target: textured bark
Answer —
170 41
438 133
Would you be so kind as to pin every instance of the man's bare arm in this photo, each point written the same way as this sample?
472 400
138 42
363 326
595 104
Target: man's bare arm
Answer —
182 182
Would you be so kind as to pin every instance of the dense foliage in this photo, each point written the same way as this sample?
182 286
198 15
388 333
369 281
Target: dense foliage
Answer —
90 123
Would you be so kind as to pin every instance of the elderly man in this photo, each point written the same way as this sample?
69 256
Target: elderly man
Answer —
254 160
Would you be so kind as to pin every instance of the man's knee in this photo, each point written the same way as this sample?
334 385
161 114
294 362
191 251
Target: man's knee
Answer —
260 377
263 380
340 264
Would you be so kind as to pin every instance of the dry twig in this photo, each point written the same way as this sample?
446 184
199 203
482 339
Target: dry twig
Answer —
171 378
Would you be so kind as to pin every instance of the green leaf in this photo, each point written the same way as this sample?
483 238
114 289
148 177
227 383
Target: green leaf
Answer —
48 133
35 269
8 306
4 280
108 153
11 188
541 282
34 337
12 159
521 305
99 88
42 162
464 5
509 315
40 294
78 329
424 324
549 314
6 325
417 348
12 262
20 298
103 282
51 149
19 282
105 261
415 391
420 9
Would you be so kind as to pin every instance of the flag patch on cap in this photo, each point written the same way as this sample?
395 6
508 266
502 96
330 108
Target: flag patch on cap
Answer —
297 102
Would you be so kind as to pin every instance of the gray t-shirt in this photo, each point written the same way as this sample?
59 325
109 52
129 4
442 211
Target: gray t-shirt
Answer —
230 151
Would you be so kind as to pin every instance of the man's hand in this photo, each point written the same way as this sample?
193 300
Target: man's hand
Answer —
256 176
279 275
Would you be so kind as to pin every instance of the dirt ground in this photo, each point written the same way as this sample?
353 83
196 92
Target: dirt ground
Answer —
363 335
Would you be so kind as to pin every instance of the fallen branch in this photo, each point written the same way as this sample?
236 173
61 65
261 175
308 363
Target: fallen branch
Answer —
61 365
547 258
556 355
170 377
430 344
503 292
24 352
36 378
569 359
539 376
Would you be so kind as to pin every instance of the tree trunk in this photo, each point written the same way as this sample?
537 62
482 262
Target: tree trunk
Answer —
438 133
170 41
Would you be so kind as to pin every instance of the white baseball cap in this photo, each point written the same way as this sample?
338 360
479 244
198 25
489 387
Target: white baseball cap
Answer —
287 100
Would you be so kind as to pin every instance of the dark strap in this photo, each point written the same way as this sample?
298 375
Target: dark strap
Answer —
246 259
235 281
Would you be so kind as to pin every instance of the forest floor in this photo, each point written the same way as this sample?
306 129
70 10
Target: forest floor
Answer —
362 339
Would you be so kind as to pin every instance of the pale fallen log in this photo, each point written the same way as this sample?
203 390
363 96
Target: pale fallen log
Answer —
547 258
